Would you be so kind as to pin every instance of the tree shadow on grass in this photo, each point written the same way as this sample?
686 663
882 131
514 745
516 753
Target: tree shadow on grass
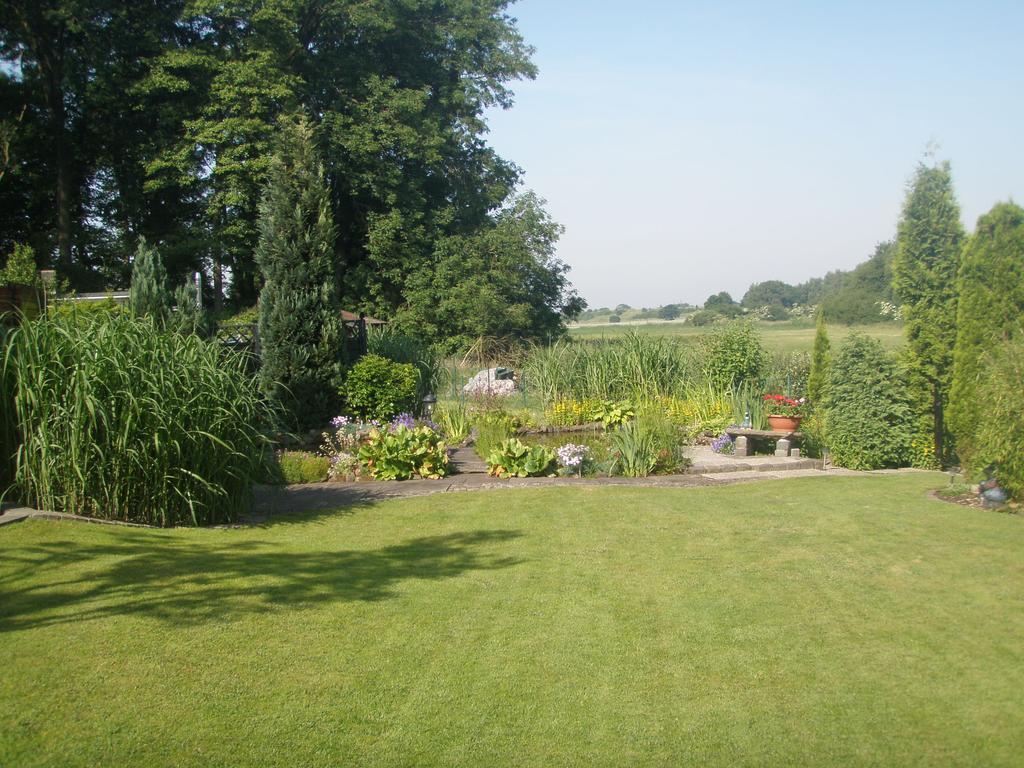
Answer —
184 581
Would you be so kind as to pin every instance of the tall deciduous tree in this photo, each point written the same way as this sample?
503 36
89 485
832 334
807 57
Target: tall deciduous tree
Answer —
990 310
925 269
300 315
504 281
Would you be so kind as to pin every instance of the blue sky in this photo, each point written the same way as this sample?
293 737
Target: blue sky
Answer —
694 147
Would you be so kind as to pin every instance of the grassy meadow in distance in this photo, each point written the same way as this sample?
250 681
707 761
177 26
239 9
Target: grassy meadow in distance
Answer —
782 336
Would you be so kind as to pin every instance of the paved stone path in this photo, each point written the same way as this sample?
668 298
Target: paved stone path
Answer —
708 469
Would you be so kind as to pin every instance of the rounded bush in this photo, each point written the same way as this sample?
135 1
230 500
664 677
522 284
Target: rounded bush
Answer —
378 389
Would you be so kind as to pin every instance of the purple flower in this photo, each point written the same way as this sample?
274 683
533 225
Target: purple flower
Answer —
340 421
722 444
406 420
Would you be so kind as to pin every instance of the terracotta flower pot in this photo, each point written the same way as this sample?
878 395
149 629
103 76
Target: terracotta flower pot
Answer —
784 423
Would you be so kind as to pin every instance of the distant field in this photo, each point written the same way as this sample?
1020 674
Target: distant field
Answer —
783 336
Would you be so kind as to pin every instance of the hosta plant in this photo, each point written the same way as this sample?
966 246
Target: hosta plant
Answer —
613 413
511 458
402 453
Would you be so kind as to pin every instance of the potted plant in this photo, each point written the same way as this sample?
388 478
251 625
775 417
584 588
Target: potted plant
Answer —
784 413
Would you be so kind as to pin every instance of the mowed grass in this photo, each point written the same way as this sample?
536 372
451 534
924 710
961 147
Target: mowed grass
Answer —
816 621
783 336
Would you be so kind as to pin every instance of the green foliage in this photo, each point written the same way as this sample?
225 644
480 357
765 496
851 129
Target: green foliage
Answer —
703 317
787 372
999 432
400 347
990 309
821 361
300 314
70 309
20 268
771 292
9 440
513 459
869 420
502 282
149 296
378 389
924 271
453 420
300 467
119 420
188 315
734 355
635 449
612 413
631 367
403 453
492 429
614 319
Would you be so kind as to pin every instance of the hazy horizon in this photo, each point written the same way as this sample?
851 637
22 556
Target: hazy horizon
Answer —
690 148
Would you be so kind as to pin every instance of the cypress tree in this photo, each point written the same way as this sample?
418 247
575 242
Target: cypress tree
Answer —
991 309
925 269
821 359
148 295
300 314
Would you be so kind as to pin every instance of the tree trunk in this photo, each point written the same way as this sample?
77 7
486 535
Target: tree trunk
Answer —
218 283
51 64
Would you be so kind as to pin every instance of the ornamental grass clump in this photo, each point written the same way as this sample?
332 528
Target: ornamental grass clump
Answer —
115 419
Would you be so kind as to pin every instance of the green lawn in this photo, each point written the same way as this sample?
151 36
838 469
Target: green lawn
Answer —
817 621
784 336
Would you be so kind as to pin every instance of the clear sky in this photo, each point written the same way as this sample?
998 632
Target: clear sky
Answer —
692 147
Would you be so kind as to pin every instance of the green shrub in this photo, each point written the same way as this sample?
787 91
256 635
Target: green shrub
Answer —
1000 429
149 293
734 356
118 420
399 347
68 308
989 309
379 389
403 453
20 268
512 458
869 419
299 467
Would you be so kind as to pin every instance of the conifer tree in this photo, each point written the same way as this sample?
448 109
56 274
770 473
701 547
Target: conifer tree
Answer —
148 295
821 359
990 310
300 314
925 270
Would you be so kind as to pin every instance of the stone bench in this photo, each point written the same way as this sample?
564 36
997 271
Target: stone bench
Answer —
783 445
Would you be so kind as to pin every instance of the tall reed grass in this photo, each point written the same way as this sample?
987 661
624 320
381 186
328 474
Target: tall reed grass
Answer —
117 420
8 434
629 367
